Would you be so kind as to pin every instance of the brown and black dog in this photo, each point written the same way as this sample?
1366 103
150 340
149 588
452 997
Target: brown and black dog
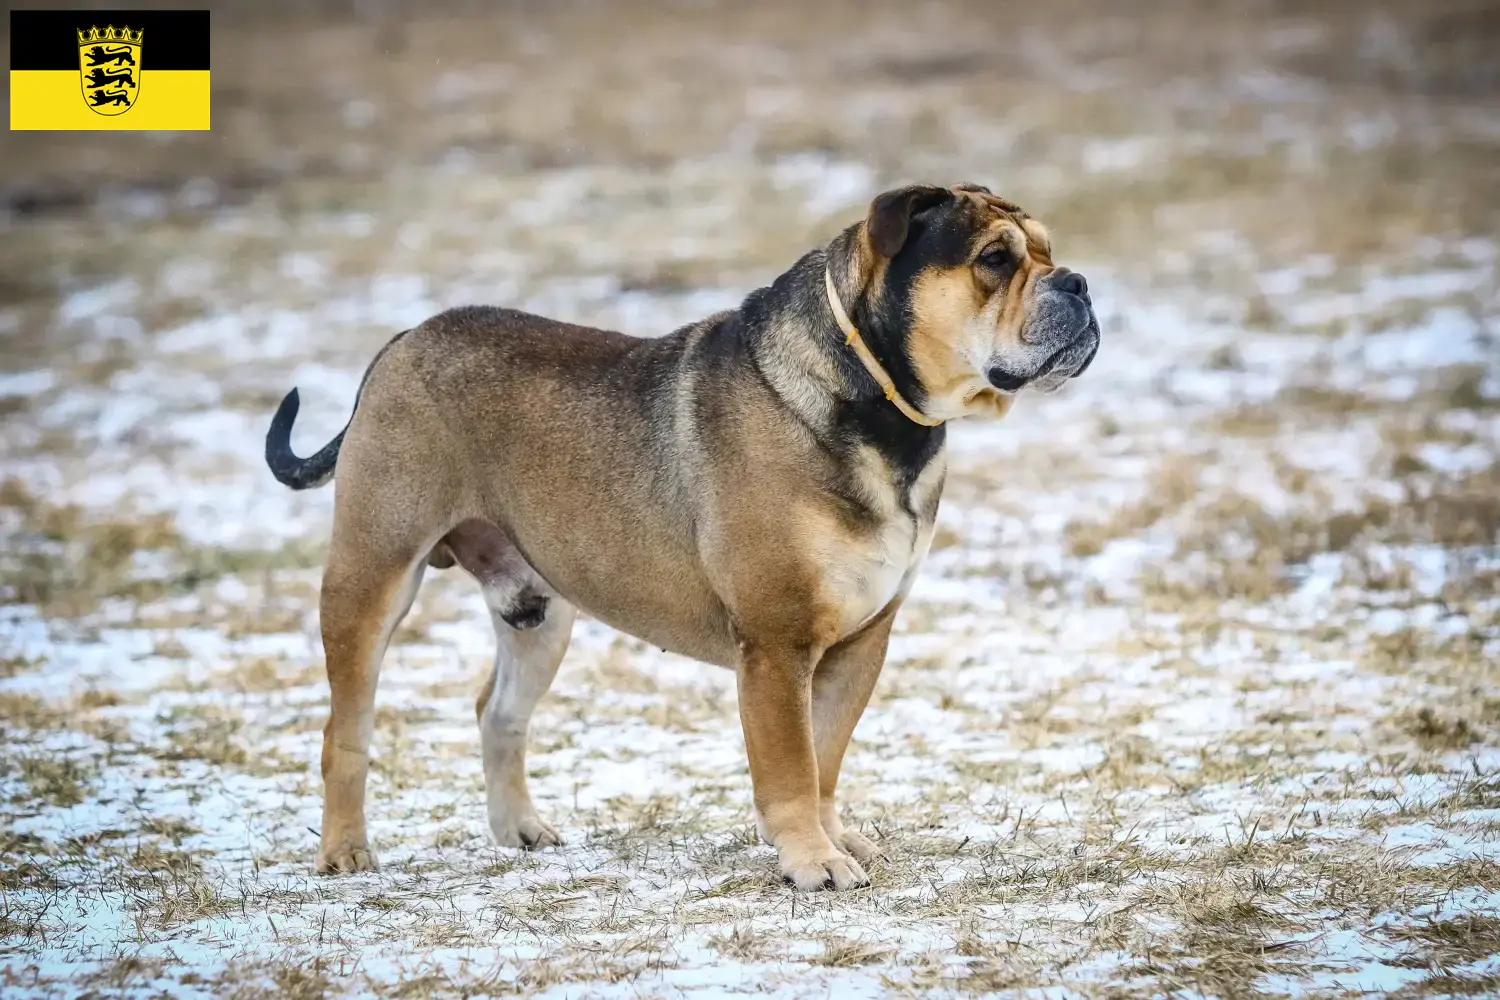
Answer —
755 490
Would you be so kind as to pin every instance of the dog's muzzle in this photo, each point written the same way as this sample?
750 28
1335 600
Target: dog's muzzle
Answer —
1062 336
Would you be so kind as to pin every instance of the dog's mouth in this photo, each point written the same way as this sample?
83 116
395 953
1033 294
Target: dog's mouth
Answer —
1063 318
1069 361
1088 358
1005 381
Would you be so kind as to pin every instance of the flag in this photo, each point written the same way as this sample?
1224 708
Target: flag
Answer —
109 69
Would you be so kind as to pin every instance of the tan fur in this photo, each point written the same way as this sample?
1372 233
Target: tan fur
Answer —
696 497
957 318
862 572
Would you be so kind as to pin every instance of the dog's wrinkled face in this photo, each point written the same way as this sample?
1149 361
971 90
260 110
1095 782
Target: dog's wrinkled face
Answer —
985 311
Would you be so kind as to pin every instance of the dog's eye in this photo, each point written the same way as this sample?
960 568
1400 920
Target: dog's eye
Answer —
997 255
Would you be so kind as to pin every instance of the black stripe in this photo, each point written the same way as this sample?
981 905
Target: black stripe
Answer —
48 39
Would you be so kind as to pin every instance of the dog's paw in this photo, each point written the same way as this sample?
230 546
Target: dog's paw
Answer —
857 846
346 858
836 872
529 832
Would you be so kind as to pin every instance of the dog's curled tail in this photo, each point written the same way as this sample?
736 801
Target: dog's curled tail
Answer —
316 470
289 470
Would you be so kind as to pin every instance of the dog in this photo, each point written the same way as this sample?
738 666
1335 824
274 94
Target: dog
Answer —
755 490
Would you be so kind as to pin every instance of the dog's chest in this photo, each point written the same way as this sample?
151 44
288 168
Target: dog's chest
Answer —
869 569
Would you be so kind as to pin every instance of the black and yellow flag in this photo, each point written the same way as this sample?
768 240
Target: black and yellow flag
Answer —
137 70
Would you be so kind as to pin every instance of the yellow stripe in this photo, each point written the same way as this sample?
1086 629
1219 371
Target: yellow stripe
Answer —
51 100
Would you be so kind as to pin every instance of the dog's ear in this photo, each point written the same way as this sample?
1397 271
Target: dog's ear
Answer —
891 213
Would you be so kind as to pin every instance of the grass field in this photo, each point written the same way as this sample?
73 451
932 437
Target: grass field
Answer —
1198 693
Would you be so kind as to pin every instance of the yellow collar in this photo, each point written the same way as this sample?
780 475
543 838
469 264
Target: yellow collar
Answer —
854 340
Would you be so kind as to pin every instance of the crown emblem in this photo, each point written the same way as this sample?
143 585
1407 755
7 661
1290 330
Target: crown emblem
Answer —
110 34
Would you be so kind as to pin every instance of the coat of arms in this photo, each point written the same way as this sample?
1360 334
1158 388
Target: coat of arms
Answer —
109 63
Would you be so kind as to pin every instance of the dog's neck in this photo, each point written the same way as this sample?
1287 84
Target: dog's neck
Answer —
799 347
856 342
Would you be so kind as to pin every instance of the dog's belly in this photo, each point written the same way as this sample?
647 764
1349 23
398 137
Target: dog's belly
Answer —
701 633
665 602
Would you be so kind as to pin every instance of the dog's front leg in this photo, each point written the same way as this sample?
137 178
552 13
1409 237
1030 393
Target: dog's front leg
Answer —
841 689
775 689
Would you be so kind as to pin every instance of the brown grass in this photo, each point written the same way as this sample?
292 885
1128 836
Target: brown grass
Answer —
1169 488
1435 731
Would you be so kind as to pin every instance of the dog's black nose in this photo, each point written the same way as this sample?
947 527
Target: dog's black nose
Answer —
1072 282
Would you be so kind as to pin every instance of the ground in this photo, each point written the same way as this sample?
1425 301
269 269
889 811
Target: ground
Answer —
1198 693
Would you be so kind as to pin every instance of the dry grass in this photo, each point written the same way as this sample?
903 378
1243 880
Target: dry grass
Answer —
1168 489
1445 943
67 559
1434 731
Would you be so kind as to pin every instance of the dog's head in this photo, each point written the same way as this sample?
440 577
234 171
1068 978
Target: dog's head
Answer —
962 285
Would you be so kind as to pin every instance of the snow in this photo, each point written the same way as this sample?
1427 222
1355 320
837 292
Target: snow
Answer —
1057 736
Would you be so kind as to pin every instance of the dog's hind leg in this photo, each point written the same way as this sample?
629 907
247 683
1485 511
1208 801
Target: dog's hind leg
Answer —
841 689
532 628
368 585
526 660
